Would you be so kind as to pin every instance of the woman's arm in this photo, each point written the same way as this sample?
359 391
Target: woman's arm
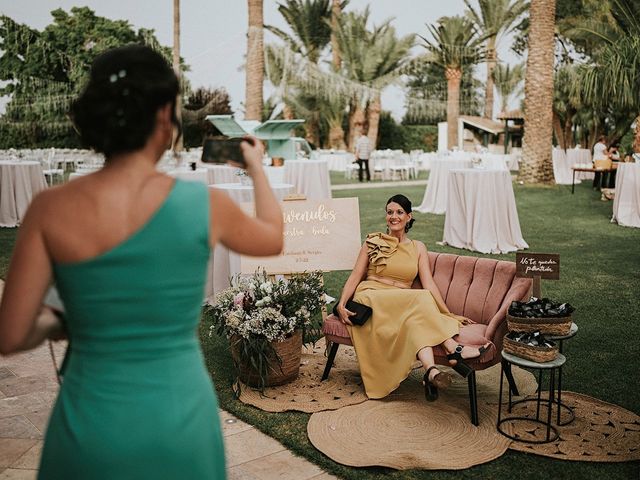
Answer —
24 323
241 233
357 275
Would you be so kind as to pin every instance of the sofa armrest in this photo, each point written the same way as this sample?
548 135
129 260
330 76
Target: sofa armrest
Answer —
520 290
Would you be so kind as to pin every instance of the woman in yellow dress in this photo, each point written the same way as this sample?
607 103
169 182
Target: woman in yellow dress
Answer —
406 323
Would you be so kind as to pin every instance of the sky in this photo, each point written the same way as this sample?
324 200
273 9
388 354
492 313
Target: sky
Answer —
213 32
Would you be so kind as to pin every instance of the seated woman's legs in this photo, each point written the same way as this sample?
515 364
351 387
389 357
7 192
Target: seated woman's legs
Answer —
433 378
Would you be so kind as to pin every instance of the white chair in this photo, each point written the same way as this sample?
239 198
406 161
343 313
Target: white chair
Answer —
50 172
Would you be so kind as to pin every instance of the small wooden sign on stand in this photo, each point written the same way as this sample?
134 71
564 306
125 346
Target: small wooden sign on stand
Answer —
537 266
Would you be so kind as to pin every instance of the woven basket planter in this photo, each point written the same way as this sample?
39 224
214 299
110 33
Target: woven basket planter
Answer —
547 326
282 369
530 352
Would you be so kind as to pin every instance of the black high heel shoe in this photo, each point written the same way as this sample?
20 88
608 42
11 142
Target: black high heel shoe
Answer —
461 367
442 380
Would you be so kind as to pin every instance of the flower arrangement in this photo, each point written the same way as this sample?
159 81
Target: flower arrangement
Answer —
258 311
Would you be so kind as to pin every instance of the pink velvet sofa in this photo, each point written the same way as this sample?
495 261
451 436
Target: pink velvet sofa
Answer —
478 288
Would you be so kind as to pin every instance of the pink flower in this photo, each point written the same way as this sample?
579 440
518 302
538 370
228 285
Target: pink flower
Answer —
238 300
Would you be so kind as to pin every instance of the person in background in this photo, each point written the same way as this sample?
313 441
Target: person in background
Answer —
614 155
128 249
362 154
600 160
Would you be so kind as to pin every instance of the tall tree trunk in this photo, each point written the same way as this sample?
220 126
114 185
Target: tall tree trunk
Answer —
336 58
373 119
453 76
492 59
538 94
336 133
559 131
312 129
356 122
568 128
177 140
255 62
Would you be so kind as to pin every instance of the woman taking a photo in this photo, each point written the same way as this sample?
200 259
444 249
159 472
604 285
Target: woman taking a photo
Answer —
128 248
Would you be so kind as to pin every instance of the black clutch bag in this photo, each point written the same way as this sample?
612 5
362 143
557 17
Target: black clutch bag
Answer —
362 312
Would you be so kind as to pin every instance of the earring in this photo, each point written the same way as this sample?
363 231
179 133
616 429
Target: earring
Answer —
406 228
387 230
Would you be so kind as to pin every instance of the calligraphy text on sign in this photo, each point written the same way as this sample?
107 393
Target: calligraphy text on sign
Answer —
543 265
318 235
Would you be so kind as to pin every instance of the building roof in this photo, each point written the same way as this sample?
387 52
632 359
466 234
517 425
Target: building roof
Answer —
511 115
483 124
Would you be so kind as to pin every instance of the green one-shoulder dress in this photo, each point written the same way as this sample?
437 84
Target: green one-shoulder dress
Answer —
136 401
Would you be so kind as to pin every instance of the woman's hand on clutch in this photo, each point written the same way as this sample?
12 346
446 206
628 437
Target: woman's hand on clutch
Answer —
344 315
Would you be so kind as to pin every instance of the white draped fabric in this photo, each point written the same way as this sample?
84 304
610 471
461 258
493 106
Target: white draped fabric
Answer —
198 175
19 183
626 204
309 178
217 173
336 161
481 212
435 195
563 161
224 264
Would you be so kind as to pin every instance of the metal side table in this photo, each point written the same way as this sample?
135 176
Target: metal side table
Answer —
552 366
561 338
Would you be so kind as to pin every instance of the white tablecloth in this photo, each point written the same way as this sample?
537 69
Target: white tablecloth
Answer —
435 195
19 183
309 177
225 264
481 212
337 161
562 163
198 175
217 173
626 204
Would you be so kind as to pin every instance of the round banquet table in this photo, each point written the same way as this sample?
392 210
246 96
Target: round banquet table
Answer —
435 195
481 212
337 161
626 204
309 177
563 161
19 183
198 175
224 264
219 173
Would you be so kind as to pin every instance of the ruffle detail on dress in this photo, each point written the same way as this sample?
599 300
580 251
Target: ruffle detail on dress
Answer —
380 247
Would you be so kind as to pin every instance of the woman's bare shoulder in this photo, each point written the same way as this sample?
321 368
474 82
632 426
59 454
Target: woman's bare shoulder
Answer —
422 248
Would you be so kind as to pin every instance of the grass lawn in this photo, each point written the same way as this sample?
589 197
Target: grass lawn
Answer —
600 276
338 178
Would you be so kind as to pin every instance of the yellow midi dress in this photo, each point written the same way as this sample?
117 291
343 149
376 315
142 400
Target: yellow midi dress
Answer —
403 320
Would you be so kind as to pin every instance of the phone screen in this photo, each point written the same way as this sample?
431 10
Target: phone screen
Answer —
222 151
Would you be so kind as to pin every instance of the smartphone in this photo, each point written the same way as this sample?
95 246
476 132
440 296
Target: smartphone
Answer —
223 151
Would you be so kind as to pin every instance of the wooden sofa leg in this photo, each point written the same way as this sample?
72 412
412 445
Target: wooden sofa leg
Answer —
473 398
332 356
512 381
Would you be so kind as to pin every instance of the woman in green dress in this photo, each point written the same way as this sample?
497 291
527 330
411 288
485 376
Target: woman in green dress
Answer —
128 247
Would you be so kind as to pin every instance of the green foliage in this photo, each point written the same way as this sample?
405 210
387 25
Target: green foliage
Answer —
406 137
507 80
455 42
199 104
46 69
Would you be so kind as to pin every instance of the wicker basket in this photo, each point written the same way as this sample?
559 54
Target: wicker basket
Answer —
557 326
530 352
289 352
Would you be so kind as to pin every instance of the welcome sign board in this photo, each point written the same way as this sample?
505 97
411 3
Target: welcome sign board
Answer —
318 235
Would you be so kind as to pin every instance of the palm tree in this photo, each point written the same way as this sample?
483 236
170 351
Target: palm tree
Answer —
310 22
178 141
336 133
455 44
507 79
538 94
613 79
371 58
495 18
565 105
255 62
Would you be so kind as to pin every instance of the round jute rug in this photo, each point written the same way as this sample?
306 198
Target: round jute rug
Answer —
403 431
601 432
307 393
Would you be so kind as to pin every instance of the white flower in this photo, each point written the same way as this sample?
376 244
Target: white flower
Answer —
266 287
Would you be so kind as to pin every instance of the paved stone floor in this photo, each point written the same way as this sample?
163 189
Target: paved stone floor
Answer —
28 389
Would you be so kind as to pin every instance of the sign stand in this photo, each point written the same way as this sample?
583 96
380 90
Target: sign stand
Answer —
538 266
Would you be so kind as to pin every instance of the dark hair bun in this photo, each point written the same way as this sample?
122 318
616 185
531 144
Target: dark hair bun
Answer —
116 112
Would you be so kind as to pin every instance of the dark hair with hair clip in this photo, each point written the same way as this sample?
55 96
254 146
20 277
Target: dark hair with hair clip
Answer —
116 112
405 203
